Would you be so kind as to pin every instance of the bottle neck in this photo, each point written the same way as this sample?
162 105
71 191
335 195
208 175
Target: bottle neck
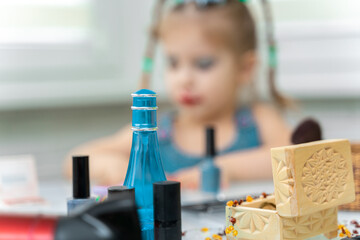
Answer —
144 120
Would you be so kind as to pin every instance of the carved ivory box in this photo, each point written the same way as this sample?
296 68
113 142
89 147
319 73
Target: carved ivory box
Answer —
310 181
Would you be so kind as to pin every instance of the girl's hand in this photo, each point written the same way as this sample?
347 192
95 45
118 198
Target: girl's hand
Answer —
191 178
113 170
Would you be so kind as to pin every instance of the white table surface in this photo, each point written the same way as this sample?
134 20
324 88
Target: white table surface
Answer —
56 193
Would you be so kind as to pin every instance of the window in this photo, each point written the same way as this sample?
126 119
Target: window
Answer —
60 52
37 22
319 47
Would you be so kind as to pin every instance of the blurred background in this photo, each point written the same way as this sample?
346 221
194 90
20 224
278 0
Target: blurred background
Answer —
67 68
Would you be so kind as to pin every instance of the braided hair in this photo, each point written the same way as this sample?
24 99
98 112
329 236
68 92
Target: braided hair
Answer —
272 56
148 62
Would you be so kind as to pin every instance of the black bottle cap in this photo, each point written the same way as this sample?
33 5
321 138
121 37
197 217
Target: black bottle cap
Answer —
120 193
81 182
210 142
167 210
167 205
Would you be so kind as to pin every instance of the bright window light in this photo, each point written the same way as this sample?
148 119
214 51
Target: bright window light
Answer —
44 2
42 22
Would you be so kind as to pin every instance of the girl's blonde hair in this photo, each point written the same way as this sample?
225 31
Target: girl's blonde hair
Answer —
239 31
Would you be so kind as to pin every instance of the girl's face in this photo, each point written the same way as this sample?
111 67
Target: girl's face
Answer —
202 77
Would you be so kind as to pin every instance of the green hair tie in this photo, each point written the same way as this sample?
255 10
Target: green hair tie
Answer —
148 64
243 1
272 56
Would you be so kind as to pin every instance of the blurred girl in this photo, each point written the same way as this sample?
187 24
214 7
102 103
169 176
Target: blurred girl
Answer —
210 48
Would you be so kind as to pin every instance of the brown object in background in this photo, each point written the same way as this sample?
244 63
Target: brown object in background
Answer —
355 149
308 130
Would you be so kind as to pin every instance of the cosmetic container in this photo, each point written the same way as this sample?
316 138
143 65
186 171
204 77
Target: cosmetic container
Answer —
210 173
81 184
109 220
120 193
145 166
167 211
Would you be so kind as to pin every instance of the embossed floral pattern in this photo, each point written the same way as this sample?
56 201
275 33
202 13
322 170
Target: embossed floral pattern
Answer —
284 184
305 226
252 222
324 176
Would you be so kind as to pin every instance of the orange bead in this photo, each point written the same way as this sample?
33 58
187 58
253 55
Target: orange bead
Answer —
231 228
204 229
340 226
229 203
249 199
235 233
217 237
348 234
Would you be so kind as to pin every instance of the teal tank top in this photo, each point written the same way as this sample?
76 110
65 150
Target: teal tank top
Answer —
247 137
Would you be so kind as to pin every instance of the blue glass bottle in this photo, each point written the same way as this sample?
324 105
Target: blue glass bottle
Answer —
145 166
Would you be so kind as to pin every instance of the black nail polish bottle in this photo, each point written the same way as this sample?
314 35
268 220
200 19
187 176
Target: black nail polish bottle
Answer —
167 210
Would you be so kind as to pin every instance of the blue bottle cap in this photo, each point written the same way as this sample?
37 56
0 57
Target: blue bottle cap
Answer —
144 110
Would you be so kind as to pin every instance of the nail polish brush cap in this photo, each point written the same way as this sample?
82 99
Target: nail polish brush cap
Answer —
167 210
167 205
210 142
81 182
121 193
